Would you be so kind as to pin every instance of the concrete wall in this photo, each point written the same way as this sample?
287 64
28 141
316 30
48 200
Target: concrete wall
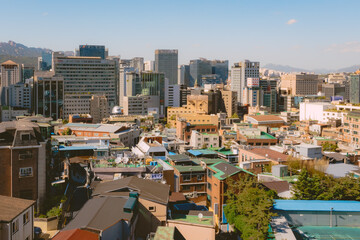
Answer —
46 224
316 218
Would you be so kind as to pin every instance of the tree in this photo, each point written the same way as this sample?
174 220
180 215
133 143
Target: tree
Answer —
249 208
235 115
331 147
66 131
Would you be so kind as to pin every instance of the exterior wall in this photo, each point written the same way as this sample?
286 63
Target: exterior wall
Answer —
350 132
120 230
99 108
256 141
198 140
195 119
316 218
25 229
230 102
158 215
196 183
300 84
183 130
5 171
193 231
313 110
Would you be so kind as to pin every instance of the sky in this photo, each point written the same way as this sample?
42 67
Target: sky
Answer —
300 33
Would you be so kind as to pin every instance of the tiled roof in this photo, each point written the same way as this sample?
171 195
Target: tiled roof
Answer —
278 186
271 154
9 62
11 207
75 234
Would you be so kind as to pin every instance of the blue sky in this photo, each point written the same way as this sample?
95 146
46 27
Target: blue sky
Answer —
307 34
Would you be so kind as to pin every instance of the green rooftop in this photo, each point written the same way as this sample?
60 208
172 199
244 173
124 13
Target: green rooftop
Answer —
164 233
325 232
206 220
224 170
183 169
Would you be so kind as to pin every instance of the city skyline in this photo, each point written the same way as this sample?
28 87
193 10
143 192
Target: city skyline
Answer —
305 35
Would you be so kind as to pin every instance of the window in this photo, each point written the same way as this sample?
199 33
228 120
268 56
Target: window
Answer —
209 186
199 187
200 177
186 178
26 218
209 173
26 172
15 226
152 208
186 188
25 154
25 137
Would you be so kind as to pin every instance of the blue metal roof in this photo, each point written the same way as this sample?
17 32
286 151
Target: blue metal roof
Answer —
317 205
195 152
172 153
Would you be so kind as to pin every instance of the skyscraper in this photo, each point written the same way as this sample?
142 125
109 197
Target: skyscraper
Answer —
355 88
166 61
92 51
199 67
48 94
45 61
240 72
10 75
84 77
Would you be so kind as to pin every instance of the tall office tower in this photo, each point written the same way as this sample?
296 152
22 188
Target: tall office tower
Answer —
48 94
300 84
199 67
147 84
268 94
84 77
92 51
20 95
99 108
172 94
184 75
240 72
124 69
45 61
221 68
55 55
331 90
166 61
149 66
355 88
10 75
137 63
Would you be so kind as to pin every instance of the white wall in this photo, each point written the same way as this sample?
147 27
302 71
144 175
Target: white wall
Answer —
313 110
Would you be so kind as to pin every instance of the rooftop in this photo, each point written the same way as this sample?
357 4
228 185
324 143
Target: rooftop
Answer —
11 207
268 153
317 205
183 169
193 218
327 232
224 170
76 234
266 118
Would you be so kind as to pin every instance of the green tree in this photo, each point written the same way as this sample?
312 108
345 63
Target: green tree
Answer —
235 115
249 208
326 146
66 131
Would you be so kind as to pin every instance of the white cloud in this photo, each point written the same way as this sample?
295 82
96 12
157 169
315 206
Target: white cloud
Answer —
347 47
291 21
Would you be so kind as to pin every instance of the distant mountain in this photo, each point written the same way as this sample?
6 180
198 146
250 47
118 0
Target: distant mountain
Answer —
22 54
283 68
288 69
16 49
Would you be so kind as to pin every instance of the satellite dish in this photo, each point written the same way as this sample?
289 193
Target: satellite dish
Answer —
200 216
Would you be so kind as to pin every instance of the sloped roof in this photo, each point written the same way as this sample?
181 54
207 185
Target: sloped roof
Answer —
100 213
271 154
278 186
147 189
11 207
9 62
266 118
224 170
76 234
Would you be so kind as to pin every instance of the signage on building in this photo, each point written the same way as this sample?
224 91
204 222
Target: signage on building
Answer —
337 98
156 176
253 82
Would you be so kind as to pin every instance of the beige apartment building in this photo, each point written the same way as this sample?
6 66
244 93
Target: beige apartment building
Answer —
300 84
99 108
230 102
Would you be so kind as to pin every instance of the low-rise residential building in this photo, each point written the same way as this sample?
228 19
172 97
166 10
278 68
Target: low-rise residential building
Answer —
80 118
259 159
350 131
150 146
265 120
309 151
184 129
218 176
16 218
191 181
204 140
193 119
255 137
10 113
23 161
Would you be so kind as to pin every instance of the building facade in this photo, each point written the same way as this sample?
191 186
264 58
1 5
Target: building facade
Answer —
166 61
99 108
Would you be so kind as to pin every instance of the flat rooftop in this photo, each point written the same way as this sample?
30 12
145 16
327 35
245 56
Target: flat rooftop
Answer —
322 232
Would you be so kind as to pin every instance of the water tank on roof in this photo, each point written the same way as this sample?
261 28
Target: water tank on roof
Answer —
116 110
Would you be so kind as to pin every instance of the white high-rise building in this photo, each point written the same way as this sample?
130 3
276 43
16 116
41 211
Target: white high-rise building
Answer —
172 94
240 72
149 66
